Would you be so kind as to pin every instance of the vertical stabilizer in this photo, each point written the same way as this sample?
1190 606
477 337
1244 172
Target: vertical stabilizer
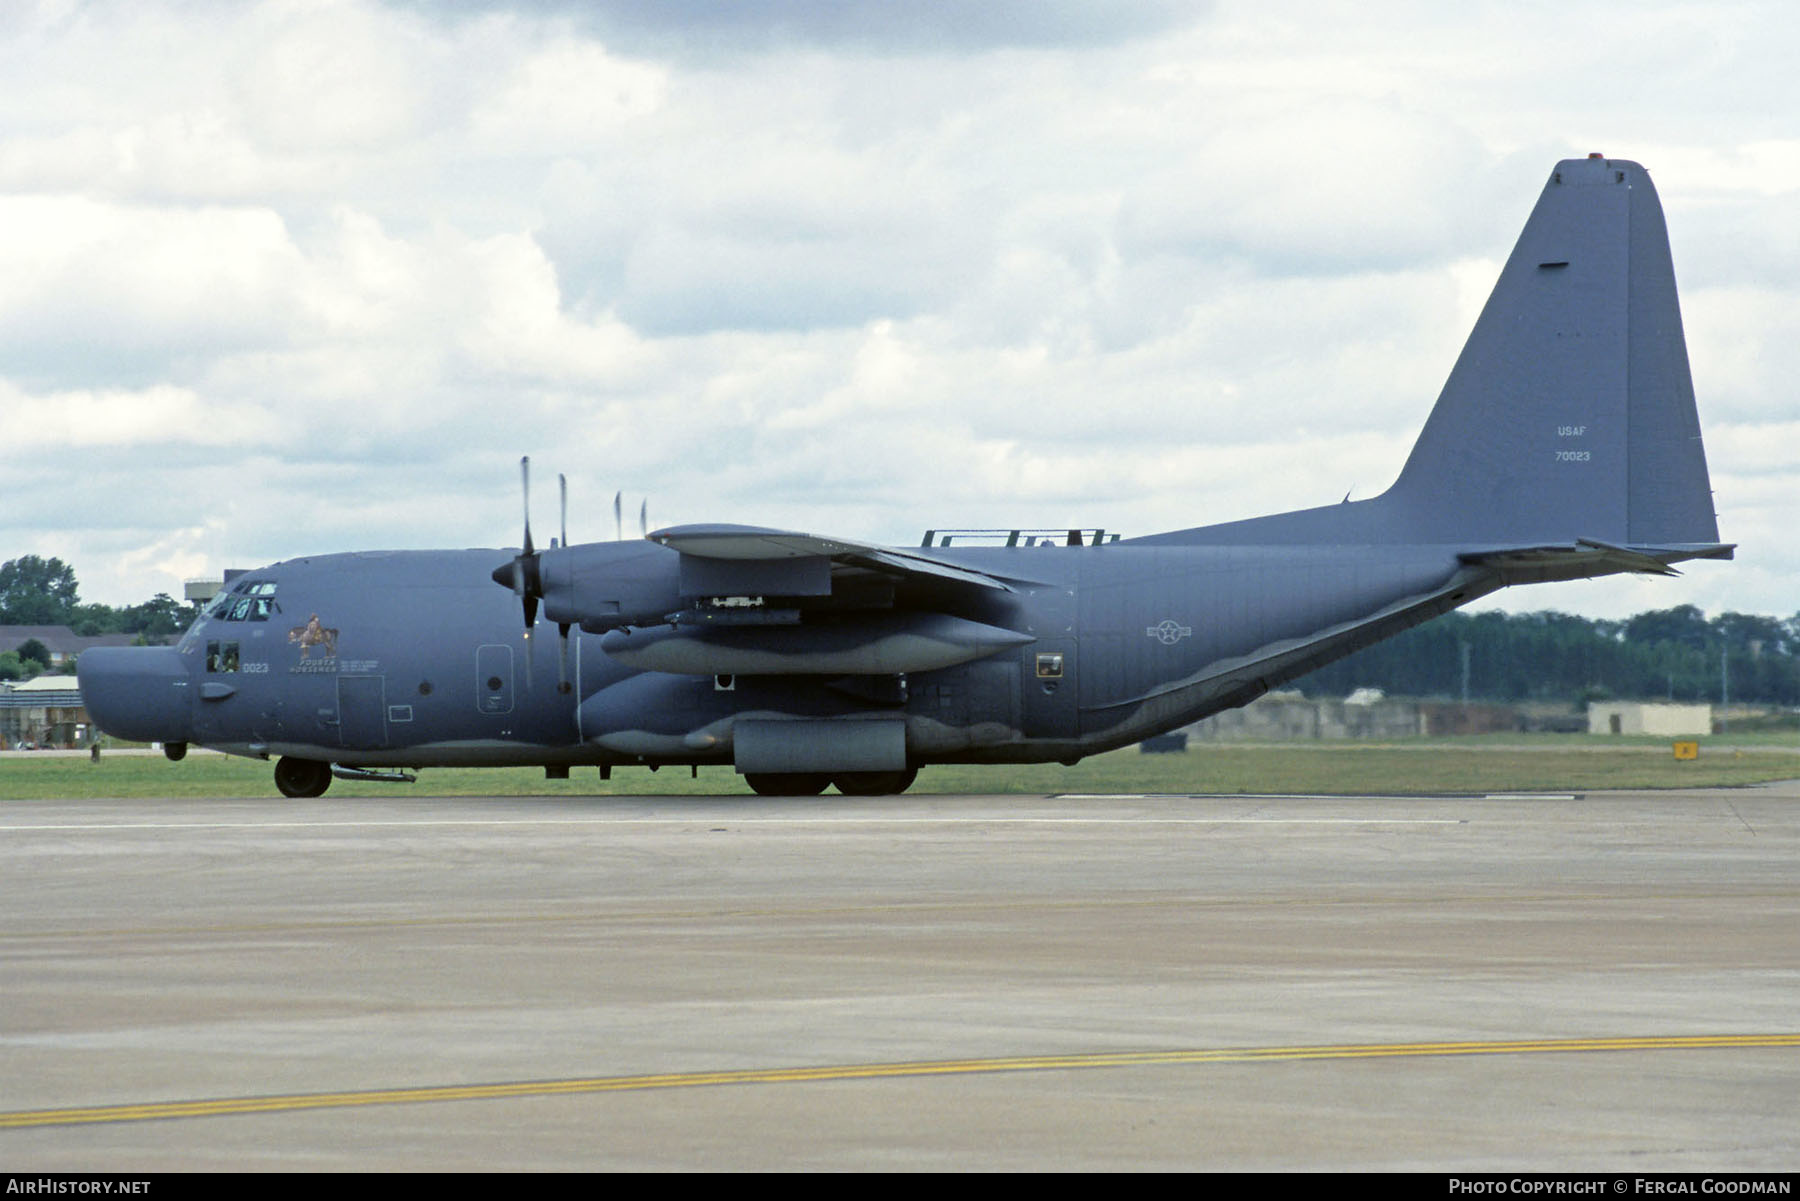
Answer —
1570 412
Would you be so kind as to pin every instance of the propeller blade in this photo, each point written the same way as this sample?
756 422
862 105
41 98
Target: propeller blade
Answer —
524 567
525 490
644 518
562 485
562 659
618 518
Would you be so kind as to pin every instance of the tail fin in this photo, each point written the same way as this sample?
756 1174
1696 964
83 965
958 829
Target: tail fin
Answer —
1570 413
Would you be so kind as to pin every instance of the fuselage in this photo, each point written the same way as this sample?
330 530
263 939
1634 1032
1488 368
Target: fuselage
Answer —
416 658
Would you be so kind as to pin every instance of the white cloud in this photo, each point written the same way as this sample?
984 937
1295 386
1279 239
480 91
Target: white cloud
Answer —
567 97
308 274
331 75
84 281
160 415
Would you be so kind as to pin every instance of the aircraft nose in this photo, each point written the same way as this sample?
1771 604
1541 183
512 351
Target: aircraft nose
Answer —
140 693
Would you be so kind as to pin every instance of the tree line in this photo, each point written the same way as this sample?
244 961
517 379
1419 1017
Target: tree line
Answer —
1674 654
44 592
35 591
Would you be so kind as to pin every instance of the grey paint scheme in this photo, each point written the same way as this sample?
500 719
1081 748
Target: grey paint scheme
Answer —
1564 445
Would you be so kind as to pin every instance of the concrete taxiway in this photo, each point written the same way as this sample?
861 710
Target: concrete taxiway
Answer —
1608 982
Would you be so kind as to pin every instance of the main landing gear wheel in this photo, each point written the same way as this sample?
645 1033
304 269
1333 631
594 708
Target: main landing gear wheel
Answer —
875 783
302 777
786 783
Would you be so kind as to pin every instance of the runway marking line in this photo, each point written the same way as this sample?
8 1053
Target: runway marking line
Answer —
907 908
228 1106
735 820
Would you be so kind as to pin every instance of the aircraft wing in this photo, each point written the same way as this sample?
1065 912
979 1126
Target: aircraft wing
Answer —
714 557
718 623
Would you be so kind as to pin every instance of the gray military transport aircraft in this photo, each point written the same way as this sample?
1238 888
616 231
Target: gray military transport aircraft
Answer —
1564 445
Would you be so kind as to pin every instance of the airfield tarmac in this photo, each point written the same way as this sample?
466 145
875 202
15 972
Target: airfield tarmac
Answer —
1609 982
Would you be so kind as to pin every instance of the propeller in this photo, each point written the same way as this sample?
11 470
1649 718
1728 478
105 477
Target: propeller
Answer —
522 574
562 627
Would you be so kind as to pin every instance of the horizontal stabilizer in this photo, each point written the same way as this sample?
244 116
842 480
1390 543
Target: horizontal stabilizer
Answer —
1591 557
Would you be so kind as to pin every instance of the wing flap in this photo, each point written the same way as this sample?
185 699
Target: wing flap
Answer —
746 551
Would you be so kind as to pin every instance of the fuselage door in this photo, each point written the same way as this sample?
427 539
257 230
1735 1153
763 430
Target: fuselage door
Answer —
494 678
362 712
1048 691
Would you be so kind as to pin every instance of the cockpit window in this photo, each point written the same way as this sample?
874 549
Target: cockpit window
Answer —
248 600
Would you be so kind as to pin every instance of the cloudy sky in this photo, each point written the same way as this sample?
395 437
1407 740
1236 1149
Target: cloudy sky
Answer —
309 275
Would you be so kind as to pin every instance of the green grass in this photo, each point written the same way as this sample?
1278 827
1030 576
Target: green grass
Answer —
1501 763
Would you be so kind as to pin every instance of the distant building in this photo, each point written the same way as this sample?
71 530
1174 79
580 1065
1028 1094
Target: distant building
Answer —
1638 717
1289 716
199 592
43 712
1366 713
62 642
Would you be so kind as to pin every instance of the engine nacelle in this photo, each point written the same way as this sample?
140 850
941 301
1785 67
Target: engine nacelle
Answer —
601 586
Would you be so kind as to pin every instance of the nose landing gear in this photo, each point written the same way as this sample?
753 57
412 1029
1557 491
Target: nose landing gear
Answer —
302 777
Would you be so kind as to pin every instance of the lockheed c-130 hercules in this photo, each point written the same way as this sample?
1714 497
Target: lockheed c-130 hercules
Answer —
1564 445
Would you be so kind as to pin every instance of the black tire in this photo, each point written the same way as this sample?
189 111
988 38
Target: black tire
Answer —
786 783
302 777
875 783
